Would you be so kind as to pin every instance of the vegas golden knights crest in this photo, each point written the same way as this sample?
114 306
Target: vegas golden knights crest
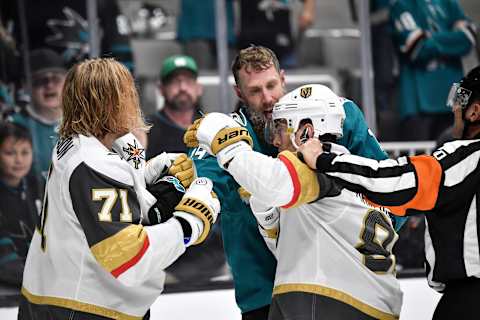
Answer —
305 92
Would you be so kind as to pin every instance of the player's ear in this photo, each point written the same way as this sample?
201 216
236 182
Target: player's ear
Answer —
475 113
310 131
304 133
238 92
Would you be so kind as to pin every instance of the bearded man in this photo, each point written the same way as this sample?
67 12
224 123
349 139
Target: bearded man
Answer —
181 91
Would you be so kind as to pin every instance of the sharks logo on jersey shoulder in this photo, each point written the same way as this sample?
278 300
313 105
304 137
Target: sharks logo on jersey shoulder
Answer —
239 117
176 183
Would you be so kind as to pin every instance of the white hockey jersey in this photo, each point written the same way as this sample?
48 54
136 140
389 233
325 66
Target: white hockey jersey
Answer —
338 246
91 252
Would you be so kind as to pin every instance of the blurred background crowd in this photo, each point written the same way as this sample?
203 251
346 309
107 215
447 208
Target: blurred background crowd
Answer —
171 48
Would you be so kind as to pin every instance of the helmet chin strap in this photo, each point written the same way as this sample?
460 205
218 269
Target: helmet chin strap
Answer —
292 138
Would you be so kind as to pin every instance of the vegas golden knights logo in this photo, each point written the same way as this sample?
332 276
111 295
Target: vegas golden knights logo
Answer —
305 92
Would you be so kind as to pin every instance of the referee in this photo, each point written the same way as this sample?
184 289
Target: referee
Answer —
444 186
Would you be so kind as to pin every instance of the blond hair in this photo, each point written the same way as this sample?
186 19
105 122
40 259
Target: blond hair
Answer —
254 58
99 97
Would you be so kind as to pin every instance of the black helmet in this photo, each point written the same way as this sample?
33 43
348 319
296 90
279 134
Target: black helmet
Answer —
468 89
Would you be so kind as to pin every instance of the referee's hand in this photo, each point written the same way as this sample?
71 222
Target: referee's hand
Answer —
310 150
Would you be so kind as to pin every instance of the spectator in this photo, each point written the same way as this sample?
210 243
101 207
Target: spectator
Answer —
268 23
43 115
19 205
63 27
9 66
196 30
431 38
383 67
182 92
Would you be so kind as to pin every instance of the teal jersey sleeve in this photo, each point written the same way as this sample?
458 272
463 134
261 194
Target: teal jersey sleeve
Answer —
360 140
357 137
422 33
251 262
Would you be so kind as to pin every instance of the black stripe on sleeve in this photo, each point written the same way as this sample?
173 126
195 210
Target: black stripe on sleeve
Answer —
412 51
325 164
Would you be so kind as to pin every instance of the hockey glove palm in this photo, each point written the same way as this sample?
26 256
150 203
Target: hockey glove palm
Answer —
175 164
219 135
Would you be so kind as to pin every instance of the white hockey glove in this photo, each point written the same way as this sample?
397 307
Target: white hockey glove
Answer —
175 164
199 207
268 218
219 135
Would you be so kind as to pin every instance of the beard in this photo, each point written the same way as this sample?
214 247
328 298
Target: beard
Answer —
258 121
181 102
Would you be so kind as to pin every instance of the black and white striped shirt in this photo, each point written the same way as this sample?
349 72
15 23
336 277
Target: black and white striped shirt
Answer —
444 186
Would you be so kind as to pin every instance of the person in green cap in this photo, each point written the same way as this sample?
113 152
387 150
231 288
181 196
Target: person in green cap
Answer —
179 86
181 91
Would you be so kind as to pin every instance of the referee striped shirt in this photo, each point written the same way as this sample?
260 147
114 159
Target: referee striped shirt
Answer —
444 186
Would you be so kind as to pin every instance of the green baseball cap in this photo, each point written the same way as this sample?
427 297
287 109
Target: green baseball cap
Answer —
173 63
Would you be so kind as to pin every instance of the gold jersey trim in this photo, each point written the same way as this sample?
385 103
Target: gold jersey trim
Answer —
77 306
305 183
334 294
120 248
271 233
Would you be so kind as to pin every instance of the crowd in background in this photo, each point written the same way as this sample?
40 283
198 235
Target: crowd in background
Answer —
49 37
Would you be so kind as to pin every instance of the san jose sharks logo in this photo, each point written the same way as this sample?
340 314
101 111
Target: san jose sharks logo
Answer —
135 153
175 182
70 34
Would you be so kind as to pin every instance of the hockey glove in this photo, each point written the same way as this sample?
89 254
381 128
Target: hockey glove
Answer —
183 169
219 135
168 192
199 207
175 164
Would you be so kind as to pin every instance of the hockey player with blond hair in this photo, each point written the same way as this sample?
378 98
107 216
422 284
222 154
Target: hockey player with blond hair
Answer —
110 223
333 250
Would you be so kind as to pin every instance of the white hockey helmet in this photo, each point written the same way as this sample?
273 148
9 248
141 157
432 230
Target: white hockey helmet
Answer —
315 102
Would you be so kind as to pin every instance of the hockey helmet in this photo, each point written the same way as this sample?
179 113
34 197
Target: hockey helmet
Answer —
466 91
313 102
